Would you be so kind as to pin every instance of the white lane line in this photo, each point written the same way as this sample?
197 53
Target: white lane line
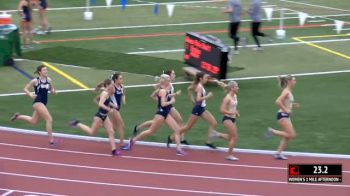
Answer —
144 158
30 192
193 147
311 16
9 192
249 46
172 189
313 5
345 29
291 13
121 185
143 172
316 21
175 24
151 159
177 83
126 170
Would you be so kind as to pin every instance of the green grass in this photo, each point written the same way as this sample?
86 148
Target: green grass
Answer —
90 77
105 60
320 123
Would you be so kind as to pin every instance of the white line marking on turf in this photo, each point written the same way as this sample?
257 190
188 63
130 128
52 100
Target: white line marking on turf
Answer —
249 46
296 11
175 83
175 24
121 185
30 192
200 6
8 193
346 29
320 6
160 173
129 5
291 13
315 21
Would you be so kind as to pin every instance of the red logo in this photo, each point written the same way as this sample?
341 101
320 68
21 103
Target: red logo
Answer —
293 170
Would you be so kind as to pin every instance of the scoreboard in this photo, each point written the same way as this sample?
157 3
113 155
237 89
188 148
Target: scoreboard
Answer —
206 53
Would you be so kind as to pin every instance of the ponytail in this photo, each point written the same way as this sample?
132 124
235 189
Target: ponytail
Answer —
115 76
168 72
230 85
103 84
283 80
38 69
199 75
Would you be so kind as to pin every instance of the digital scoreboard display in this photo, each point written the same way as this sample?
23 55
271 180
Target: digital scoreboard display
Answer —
315 173
207 54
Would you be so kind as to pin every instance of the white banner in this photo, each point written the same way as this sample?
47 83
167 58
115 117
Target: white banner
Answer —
302 18
268 12
108 3
170 9
339 25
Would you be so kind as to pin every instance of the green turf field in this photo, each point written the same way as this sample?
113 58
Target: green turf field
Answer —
142 45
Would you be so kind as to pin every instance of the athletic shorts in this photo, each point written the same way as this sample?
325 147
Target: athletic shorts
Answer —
43 5
198 110
27 18
281 115
163 112
101 116
228 118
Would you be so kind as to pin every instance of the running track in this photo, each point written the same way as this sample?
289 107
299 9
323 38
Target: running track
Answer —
28 166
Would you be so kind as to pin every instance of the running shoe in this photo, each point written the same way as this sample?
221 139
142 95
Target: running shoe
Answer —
54 143
280 156
73 123
268 133
214 135
124 147
180 152
259 49
231 158
210 145
41 32
116 152
48 30
169 141
131 143
135 131
185 142
14 117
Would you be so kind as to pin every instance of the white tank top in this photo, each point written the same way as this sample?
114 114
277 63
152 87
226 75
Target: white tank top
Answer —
172 89
203 94
233 105
288 103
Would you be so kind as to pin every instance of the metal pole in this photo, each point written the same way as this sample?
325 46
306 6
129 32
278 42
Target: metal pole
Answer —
281 18
88 5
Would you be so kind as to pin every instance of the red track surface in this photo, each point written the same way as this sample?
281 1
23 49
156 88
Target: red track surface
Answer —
74 167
